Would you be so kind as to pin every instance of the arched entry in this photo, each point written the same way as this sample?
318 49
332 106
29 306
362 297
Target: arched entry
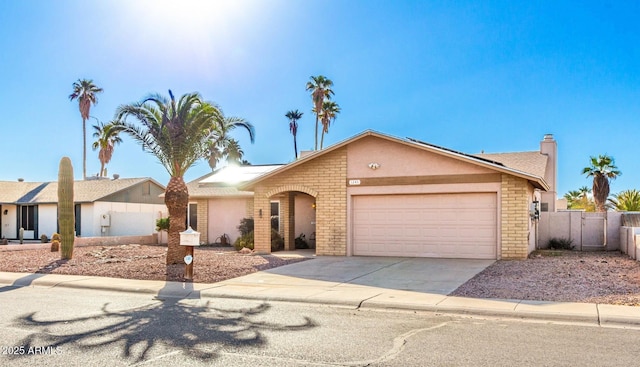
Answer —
297 217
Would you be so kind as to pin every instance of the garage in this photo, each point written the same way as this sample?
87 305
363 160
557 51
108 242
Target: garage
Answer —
452 225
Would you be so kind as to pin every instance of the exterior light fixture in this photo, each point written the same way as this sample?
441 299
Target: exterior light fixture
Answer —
374 166
260 213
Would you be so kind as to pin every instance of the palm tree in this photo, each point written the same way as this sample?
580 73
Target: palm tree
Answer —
329 112
320 88
86 93
233 152
580 199
220 137
107 137
602 169
293 117
177 133
627 200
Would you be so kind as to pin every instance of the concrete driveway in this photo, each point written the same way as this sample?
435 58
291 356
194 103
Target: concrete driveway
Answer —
434 276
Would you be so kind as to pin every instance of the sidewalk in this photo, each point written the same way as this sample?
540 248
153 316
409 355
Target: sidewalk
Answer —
268 286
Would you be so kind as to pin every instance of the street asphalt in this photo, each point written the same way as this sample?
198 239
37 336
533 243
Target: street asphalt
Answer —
358 282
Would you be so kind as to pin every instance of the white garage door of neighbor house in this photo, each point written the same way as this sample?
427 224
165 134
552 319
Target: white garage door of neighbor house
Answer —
457 225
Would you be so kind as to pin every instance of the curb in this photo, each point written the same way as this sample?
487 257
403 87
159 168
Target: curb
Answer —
367 299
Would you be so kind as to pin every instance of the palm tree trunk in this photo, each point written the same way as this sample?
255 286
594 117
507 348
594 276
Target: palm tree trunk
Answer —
316 145
177 199
84 148
295 146
322 139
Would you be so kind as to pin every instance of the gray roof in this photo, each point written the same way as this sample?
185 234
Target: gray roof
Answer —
86 191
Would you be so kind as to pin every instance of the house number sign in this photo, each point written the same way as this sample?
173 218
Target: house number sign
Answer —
354 182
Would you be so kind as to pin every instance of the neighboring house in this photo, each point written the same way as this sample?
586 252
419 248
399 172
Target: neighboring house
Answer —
103 207
377 195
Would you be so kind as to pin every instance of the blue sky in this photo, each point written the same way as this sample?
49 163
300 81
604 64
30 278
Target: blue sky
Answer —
468 75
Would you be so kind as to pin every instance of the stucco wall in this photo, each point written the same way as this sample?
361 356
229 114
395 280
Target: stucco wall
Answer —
47 219
398 160
224 217
127 219
9 224
586 230
305 215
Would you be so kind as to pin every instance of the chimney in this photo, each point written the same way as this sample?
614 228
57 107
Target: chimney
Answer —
549 147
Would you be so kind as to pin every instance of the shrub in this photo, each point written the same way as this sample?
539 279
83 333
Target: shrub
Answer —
561 244
277 243
44 238
244 241
301 242
246 226
162 224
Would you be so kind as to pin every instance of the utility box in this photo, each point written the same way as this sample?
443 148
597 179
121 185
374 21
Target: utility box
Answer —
105 220
190 238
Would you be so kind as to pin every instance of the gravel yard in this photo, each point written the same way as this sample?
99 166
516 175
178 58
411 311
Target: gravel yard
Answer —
211 264
563 276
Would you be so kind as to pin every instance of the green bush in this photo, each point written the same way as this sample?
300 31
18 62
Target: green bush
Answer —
277 243
301 242
162 224
561 244
244 241
246 226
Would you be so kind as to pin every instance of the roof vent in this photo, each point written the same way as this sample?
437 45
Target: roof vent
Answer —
116 176
20 179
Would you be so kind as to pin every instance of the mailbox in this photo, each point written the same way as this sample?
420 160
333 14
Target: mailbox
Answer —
190 238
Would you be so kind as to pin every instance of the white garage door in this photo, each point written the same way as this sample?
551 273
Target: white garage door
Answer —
431 225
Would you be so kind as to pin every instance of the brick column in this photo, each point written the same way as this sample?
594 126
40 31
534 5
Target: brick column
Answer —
262 222
515 217
203 220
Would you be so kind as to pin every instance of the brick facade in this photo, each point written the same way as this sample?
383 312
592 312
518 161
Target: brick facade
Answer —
324 178
514 217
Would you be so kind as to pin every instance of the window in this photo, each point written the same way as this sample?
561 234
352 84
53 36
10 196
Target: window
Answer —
192 217
28 217
275 215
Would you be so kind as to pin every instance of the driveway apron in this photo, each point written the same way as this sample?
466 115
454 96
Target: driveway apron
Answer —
427 275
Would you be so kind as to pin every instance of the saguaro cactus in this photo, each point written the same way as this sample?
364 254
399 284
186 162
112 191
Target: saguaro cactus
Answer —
66 214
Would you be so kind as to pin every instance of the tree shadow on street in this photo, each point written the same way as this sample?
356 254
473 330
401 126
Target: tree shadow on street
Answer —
195 327
26 280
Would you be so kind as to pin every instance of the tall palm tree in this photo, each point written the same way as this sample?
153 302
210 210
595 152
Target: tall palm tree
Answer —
176 132
107 136
330 111
320 88
293 117
233 152
86 93
627 200
220 137
602 169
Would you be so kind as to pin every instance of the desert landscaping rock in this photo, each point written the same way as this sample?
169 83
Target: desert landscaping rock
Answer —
145 262
560 276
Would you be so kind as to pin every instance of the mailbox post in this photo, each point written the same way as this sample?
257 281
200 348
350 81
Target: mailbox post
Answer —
190 239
